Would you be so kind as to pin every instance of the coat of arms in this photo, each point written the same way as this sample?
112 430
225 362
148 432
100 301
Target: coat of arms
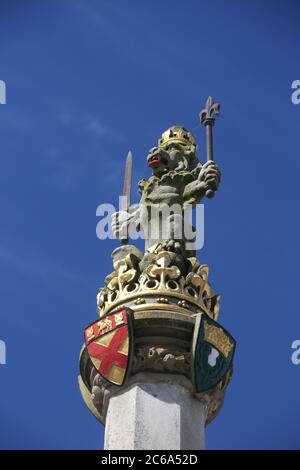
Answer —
108 344
212 352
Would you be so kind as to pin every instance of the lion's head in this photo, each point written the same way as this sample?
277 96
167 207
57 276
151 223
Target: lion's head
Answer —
176 151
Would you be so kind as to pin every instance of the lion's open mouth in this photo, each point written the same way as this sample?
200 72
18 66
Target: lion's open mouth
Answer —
158 158
154 160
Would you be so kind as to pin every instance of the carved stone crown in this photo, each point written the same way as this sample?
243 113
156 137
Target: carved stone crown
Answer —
159 283
178 135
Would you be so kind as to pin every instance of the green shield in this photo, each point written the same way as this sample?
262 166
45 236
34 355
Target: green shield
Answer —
212 353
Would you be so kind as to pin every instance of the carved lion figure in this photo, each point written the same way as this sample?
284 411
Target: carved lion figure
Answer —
178 182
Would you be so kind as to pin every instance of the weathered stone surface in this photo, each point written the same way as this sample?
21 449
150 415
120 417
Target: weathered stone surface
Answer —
159 416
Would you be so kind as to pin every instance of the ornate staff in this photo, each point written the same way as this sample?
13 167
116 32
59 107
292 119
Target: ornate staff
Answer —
207 118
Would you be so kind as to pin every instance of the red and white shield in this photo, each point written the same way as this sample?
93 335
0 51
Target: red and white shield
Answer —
108 345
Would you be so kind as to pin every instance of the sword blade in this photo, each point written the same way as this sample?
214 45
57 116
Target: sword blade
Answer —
127 181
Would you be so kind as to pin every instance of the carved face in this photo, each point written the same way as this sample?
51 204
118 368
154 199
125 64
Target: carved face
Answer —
171 157
158 160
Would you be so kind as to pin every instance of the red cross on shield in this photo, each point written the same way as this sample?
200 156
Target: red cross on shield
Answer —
108 343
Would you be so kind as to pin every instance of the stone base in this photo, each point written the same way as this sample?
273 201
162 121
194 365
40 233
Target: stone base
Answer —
162 415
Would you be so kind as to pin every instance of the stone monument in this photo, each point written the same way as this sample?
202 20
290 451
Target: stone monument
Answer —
156 363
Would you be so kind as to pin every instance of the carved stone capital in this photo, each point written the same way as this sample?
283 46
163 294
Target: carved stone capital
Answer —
162 351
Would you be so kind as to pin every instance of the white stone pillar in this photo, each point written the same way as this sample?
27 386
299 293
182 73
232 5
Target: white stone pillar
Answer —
155 415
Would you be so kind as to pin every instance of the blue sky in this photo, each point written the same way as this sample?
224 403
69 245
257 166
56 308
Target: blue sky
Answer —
87 80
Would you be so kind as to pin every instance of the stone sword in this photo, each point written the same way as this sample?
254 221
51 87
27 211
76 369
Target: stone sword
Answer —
126 195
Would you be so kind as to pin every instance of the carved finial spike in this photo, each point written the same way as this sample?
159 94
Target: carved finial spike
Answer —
212 109
209 102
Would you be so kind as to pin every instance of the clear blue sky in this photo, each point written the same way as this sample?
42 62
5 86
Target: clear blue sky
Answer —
87 80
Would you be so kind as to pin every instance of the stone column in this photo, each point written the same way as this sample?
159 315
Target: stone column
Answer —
155 415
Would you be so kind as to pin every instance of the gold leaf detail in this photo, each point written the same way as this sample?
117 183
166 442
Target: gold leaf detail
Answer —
218 338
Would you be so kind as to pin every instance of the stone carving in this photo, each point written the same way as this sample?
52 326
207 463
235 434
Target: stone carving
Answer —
161 359
179 180
164 274
165 288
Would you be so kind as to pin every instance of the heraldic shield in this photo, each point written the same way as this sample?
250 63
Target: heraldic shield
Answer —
212 353
108 342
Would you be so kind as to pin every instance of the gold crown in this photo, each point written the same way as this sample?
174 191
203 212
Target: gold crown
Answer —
176 134
161 286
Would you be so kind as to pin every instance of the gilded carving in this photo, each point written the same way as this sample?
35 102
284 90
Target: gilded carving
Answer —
218 338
